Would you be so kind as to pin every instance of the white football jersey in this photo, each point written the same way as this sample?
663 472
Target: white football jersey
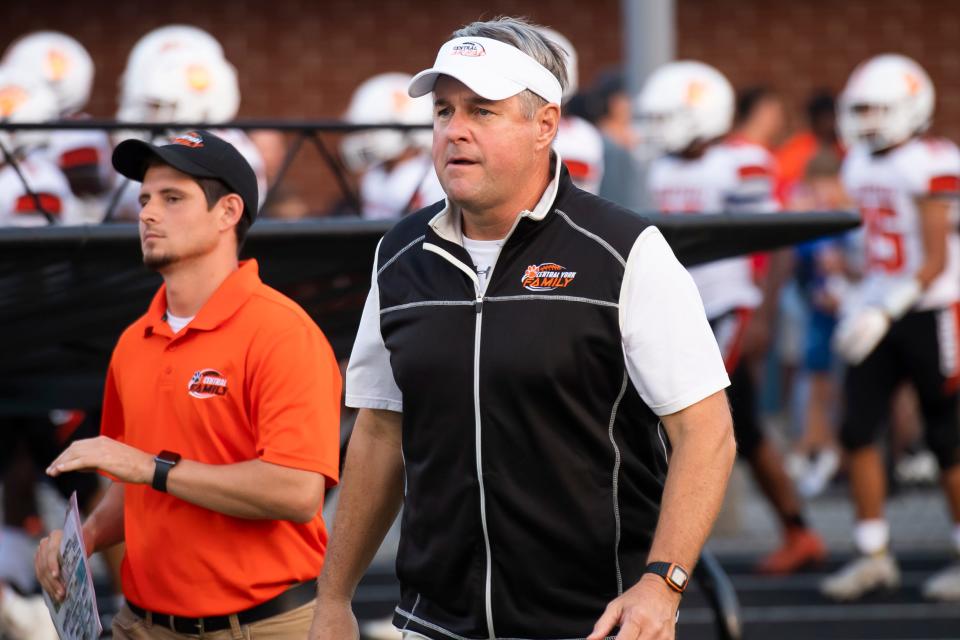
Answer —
885 188
580 145
19 208
85 148
409 186
730 177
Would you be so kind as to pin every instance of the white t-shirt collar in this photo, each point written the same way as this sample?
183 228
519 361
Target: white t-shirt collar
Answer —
449 226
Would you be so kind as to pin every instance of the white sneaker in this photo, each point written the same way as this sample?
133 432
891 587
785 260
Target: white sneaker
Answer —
380 630
917 468
819 473
796 465
944 585
862 575
24 618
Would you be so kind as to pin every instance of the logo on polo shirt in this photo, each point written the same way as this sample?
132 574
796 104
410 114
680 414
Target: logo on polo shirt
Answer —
207 383
547 277
191 139
468 49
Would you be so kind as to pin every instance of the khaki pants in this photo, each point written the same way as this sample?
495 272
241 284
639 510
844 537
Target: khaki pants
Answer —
292 625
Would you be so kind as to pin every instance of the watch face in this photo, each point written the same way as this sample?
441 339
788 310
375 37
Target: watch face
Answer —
170 457
678 577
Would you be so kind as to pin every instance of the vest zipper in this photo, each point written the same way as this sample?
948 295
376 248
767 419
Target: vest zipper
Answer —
478 301
488 582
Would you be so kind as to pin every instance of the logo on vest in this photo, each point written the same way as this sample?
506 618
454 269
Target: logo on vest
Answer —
546 277
207 383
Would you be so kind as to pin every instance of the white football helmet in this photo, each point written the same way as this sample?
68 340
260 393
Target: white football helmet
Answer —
186 86
684 102
573 75
60 60
887 100
25 97
145 53
384 99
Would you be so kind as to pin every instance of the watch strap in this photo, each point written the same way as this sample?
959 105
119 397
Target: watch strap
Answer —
165 461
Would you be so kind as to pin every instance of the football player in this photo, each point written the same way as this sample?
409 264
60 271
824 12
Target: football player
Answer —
686 110
33 190
83 155
397 170
578 142
903 321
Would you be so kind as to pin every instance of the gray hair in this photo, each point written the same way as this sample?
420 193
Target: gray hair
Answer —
526 36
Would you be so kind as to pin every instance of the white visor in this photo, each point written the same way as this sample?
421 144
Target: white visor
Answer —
492 69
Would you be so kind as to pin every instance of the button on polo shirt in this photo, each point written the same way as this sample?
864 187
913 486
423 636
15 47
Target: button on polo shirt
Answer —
251 377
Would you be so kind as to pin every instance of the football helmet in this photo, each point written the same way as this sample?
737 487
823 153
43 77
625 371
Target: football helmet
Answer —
61 61
187 86
144 54
384 99
887 100
684 102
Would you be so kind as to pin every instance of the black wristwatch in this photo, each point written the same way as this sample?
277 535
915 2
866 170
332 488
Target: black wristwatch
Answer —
165 460
674 575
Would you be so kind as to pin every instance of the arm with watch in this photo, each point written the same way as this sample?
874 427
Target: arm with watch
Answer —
252 489
704 450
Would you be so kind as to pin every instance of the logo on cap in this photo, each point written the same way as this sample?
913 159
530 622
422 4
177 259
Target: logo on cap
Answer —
191 139
207 383
546 277
468 49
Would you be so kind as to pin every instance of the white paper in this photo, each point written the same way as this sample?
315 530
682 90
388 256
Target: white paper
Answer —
76 617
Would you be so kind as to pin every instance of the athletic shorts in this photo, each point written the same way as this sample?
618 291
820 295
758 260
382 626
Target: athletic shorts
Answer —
922 348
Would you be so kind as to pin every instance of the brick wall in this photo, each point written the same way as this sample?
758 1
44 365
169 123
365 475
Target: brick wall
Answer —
302 59
798 47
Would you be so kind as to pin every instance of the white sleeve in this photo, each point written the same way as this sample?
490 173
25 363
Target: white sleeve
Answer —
370 383
672 357
933 167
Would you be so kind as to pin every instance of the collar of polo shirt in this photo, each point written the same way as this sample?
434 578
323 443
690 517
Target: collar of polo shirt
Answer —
492 69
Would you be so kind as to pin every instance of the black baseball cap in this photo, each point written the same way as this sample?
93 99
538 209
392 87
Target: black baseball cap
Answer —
200 154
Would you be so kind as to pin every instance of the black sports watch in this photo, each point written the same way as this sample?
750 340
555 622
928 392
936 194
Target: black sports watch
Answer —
165 460
674 575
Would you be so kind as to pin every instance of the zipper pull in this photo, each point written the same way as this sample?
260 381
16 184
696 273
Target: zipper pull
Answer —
479 304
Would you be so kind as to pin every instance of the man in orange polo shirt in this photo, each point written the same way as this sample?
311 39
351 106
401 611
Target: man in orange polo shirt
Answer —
220 420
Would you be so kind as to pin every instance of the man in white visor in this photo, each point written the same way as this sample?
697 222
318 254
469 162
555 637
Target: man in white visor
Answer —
527 356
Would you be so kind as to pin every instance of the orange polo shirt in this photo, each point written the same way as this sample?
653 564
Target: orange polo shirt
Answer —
251 377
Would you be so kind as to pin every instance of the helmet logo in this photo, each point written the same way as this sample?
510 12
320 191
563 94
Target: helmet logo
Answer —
695 93
198 77
12 98
400 101
913 83
57 65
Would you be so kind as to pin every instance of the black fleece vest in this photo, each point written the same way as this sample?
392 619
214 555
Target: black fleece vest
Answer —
534 470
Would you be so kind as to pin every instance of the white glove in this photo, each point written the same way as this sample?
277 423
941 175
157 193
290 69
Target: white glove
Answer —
859 334
901 298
